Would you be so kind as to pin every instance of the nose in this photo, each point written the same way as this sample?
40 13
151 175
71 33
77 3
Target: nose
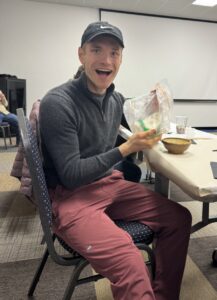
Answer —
106 58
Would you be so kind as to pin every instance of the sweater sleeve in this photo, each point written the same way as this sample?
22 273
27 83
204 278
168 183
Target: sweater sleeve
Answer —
59 132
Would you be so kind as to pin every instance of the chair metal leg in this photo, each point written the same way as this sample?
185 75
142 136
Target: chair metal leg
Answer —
43 240
152 263
151 257
9 134
38 273
74 278
4 136
75 281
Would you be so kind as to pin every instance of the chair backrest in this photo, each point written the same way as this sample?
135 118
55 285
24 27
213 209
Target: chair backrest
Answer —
40 191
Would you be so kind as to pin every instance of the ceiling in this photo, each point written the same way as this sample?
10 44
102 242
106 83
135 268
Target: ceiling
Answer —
175 8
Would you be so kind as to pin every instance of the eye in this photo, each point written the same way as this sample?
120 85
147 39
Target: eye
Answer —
115 53
95 50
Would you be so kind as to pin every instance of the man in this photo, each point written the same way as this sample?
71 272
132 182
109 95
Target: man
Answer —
6 116
79 123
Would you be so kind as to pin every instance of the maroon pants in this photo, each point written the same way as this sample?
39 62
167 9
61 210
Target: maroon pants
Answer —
83 218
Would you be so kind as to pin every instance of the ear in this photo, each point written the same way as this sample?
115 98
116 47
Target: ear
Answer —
81 55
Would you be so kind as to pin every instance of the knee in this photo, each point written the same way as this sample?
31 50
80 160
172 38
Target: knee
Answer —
183 217
13 119
129 264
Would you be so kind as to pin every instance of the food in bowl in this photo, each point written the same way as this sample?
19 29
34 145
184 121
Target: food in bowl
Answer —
176 145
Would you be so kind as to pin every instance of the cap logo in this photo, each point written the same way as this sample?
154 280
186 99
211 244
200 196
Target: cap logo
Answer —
104 27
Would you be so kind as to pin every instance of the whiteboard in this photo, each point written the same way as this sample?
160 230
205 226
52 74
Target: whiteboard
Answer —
182 51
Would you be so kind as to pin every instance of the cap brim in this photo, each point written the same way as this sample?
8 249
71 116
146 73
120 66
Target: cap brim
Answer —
97 34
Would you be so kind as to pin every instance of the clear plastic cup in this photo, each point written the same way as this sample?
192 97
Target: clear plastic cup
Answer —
181 123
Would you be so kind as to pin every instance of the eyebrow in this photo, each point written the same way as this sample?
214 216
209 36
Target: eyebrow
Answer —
97 45
116 48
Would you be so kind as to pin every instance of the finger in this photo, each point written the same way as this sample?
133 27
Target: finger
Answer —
146 134
151 132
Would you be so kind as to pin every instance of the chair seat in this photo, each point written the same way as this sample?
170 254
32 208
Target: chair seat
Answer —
139 232
4 124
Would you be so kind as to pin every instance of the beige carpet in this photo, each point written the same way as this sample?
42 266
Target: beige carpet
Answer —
21 234
194 286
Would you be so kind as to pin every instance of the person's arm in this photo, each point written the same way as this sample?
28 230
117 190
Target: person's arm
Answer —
3 99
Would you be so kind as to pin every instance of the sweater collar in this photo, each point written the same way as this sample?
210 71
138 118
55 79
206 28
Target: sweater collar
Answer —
82 82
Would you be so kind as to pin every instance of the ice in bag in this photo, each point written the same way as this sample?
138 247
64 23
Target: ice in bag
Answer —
150 111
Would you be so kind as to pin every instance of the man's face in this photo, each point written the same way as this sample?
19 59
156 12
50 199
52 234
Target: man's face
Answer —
101 59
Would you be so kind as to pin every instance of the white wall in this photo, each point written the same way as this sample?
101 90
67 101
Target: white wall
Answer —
199 114
39 42
183 52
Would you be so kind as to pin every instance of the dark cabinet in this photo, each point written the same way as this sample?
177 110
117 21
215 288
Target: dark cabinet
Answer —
15 92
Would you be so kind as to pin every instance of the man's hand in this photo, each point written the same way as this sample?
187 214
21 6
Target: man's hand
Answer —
139 141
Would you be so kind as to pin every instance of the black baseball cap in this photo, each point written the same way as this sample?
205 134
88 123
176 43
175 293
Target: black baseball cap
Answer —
101 28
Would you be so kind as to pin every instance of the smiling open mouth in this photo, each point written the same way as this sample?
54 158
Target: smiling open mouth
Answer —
103 72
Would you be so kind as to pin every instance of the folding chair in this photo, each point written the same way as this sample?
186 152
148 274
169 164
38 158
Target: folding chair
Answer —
141 234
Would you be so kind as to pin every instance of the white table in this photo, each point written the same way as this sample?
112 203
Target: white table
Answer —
190 171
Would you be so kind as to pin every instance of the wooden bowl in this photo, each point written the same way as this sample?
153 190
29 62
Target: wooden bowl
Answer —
176 145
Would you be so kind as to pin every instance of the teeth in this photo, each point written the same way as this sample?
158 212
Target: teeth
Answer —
103 71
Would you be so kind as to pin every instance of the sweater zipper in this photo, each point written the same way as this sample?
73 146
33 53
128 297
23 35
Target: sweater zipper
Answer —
102 114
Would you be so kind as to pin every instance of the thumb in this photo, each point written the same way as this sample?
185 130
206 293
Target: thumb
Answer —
150 132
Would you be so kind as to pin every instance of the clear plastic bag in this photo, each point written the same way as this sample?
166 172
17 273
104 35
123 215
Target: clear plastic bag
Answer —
151 111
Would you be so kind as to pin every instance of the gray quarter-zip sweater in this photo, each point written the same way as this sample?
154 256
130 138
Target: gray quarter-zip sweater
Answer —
78 133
